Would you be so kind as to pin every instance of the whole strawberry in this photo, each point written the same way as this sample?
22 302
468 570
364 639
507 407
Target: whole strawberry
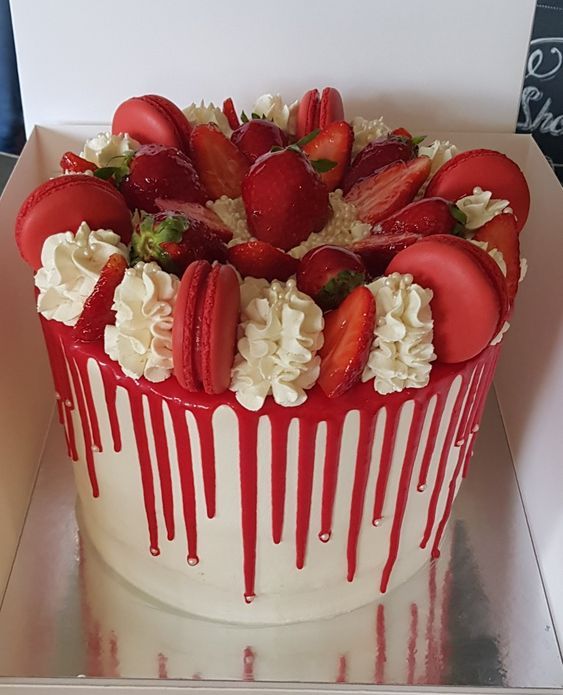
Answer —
174 241
257 137
284 198
156 171
329 273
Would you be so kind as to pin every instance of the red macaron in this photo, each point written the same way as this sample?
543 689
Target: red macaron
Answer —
492 171
470 300
62 204
153 119
204 331
318 111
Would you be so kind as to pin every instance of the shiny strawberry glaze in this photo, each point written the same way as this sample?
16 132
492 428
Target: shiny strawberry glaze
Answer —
69 360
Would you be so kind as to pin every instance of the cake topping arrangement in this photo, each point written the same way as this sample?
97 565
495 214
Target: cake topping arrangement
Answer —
272 253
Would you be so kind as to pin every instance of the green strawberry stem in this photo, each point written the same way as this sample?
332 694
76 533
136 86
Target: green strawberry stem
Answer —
338 288
147 240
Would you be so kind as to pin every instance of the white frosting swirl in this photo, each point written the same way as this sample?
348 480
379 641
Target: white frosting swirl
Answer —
439 152
71 265
279 335
141 340
105 149
365 131
202 114
494 253
232 213
480 207
343 227
402 349
275 109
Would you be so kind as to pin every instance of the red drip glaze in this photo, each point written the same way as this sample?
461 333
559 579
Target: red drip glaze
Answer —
463 429
330 476
110 393
305 467
363 460
88 452
342 675
381 646
89 402
391 421
431 669
185 469
402 494
162 666
69 435
163 463
454 418
207 448
248 664
431 441
140 430
279 429
413 637
248 441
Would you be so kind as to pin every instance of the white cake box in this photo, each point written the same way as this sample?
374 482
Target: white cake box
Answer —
529 380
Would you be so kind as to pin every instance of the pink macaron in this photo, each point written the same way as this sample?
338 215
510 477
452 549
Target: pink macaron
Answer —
470 300
61 204
153 119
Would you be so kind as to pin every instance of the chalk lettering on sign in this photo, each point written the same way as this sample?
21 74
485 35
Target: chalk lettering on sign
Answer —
545 61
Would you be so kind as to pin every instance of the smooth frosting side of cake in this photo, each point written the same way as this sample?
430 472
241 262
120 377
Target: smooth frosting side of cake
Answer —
251 542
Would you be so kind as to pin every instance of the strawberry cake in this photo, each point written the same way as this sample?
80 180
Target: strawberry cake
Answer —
271 337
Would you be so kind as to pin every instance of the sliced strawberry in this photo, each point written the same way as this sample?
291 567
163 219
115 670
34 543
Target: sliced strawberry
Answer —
230 113
389 190
219 163
78 165
97 312
259 259
502 233
198 213
333 144
378 154
257 137
402 133
426 216
348 335
377 250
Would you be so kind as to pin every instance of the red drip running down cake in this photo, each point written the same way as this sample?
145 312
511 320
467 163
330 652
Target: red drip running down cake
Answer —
272 340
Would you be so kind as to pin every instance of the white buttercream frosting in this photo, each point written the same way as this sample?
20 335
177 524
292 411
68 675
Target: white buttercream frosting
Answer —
480 207
343 227
141 339
402 351
232 213
279 335
105 149
71 265
439 152
273 107
365 131
207 113
494 253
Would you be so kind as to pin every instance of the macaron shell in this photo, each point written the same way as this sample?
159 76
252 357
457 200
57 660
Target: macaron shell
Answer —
218 328
308 113
62 204
469 302
331 107
181 123
184 327
148 121
492 171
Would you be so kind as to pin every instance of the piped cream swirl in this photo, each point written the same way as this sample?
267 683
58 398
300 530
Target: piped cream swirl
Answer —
279 335
402 349
365 131
480 207
207 113
273 107
141 339
107 149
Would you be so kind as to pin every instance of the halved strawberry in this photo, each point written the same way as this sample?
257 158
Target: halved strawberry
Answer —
402 132
97 312
377 250
348 335
502 233
230 113
219 163
426 216
388 190
333 144
376 155
259 259
78 165
198 213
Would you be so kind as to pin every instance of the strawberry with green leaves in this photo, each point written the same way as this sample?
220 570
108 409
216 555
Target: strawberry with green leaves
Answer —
174 241
333 144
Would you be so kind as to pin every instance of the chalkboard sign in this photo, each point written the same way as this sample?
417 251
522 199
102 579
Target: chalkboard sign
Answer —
541 108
